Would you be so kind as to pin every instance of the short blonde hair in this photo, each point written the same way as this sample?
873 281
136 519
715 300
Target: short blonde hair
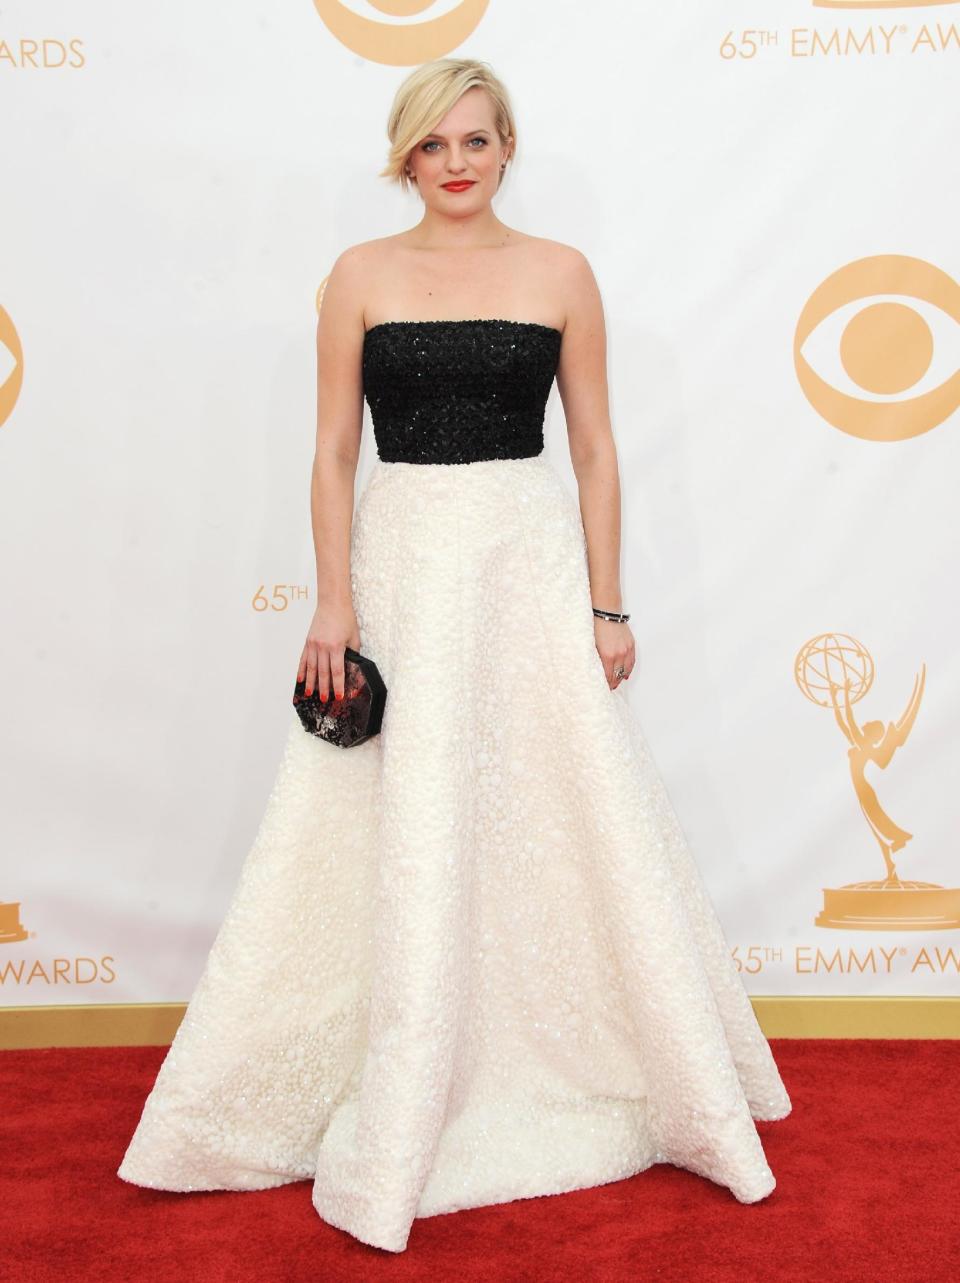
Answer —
426 96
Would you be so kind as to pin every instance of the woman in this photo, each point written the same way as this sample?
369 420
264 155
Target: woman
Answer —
470 959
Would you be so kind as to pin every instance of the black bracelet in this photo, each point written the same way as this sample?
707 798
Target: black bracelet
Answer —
610 614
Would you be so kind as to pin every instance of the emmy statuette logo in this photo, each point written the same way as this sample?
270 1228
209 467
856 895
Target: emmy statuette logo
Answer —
835 672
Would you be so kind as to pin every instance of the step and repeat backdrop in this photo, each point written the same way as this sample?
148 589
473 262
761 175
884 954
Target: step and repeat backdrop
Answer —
769 197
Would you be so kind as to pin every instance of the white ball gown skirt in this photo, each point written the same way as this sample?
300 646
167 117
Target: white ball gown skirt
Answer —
472 959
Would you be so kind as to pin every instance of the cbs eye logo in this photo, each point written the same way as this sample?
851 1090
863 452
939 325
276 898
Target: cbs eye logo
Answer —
890 366
11 366
401 44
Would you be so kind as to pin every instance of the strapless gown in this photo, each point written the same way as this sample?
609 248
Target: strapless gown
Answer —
472 959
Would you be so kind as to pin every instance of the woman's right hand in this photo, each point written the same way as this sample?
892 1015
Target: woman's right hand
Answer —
333 627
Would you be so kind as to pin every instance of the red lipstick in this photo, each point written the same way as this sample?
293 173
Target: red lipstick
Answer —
460 186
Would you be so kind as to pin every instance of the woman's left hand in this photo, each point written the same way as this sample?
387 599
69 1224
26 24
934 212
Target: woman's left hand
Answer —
616 648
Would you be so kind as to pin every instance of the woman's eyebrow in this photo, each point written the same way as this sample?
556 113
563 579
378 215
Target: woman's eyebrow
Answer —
465 135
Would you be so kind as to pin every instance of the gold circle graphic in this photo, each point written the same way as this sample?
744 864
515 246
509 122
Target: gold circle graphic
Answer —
881 350
10 388
401 44
887 347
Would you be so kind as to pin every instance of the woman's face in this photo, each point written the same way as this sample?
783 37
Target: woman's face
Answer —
464 149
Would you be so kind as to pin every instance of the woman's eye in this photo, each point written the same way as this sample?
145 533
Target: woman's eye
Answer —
426 146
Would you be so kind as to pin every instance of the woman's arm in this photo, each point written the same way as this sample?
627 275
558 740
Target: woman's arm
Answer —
582 383
340 329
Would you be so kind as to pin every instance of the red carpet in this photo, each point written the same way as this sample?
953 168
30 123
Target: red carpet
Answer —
867 1167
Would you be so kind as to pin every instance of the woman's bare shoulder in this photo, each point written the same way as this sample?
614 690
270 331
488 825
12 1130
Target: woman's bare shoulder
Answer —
355 270
566 269
365 254
556 254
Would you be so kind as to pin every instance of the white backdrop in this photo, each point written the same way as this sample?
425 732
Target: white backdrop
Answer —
178 182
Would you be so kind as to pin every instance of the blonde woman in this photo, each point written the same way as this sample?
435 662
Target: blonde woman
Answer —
470 959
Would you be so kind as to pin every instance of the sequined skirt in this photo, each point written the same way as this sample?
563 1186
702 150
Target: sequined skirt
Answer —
470 960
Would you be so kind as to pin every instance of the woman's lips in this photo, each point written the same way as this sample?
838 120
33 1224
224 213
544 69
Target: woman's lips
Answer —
457 187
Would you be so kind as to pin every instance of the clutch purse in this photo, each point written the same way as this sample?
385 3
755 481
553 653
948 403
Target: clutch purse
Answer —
354 717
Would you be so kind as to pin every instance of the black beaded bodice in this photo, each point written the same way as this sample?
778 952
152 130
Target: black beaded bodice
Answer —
458 391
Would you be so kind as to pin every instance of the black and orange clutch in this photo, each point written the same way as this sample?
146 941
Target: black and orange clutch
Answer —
353 718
